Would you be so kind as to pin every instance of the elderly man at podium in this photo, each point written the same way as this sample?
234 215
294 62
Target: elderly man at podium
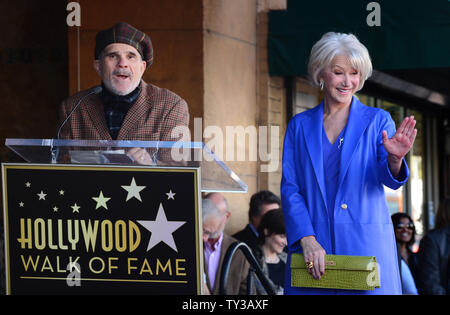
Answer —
124 107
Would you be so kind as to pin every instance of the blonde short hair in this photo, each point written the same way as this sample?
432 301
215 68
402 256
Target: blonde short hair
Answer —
333 44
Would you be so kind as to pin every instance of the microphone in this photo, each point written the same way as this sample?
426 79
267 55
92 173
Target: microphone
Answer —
55 151
95 90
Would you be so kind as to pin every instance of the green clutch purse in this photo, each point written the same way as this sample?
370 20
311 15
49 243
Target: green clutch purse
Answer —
341 272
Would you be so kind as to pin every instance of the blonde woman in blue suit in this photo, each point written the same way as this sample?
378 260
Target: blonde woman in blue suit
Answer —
336 159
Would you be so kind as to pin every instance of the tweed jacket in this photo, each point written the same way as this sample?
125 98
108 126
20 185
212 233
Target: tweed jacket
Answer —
237 275
151 118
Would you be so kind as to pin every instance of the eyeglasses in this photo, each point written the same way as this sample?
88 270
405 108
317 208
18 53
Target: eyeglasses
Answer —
408 226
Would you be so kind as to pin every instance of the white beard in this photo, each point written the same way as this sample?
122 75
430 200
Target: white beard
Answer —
115 91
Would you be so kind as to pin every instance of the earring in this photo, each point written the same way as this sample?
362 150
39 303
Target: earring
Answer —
321 85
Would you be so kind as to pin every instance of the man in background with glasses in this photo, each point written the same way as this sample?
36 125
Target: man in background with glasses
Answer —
215 245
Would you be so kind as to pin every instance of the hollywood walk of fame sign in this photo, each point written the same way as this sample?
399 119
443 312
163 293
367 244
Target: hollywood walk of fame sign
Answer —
73 229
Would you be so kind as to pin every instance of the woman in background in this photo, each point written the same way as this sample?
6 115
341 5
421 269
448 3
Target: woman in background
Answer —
270 253
405 235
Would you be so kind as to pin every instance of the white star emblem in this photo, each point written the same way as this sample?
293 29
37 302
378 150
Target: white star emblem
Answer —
28 184
101 201
61 192
21 204
41 195
55 209
133 190
75 208
161 229
170 195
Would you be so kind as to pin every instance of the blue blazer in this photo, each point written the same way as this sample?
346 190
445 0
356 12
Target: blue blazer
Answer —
362 223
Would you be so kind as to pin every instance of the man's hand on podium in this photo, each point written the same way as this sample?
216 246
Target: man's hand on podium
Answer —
140 156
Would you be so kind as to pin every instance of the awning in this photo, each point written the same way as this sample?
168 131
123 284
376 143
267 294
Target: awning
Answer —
413 34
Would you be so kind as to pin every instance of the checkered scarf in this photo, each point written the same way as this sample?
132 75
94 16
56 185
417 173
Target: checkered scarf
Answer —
116 108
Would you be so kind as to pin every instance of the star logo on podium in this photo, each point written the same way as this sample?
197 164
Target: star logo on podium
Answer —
171 195
133 190
42 195
161 229
75 208
101 201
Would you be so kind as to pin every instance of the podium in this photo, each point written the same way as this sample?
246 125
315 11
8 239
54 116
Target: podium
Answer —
83 217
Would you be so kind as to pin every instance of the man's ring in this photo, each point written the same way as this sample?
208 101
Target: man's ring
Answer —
310 265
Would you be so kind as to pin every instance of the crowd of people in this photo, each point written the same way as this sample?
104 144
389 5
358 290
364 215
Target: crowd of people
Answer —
425 272
265 235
